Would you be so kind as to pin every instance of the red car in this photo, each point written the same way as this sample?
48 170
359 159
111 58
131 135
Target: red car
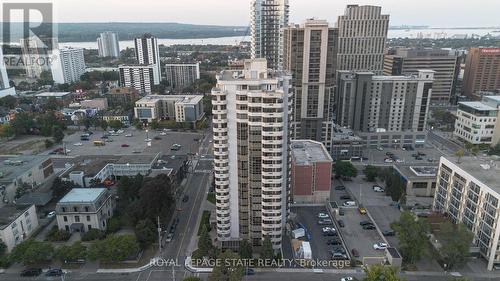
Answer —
125 145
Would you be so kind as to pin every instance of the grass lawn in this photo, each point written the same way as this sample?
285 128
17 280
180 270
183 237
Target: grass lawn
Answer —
205 220
211 197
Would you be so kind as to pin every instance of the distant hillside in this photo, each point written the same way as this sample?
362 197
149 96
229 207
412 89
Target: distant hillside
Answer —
84 32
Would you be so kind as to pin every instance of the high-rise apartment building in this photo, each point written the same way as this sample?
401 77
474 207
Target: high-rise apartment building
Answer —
403 61
384 104
140 77
362 36
5 88
68 65
482 70
310 55
251 112
36 56
268 18
468 192
147 53
108 44
180 75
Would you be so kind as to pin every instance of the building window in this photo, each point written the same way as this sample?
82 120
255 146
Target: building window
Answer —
65 218
88 218
77 218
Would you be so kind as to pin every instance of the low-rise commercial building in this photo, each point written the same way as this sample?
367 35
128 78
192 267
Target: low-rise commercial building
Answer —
468 192
420 180
65 98
476 120
311 172
124 117
99 103
88 170
17 223
83 209
181 108
122 97
345 144
29 171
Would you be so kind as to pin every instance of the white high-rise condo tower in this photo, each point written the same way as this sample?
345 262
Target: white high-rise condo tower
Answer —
68 65
251 112
147 53
362 36
5 88
108 45
268 18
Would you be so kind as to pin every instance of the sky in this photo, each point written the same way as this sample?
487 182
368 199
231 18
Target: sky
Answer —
435 13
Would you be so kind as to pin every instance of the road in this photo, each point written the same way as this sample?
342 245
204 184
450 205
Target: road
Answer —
442 143
166 275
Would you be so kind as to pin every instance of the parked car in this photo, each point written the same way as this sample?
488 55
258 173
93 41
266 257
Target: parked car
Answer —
157 138
78 144
185 198
369 227
51 214
389 233
388 160
54 272
355 253
378 188
380 246
365 223
169 238
249 271
345 197
323 216
334 241
125 145
380 148
348 278
341 223
349 203
362 210
340 187
31 272
341 212
325 222
128 135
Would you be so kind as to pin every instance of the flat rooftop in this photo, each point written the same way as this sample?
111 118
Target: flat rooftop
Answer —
136 159
82 195
9 213
14 166
484 168
174 162
306 152
418 172
53 94
90 165
177 98
477 105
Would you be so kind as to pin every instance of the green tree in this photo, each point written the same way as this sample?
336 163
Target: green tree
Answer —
204 243
73 252
57 235
381 273
459 279
267 251
137 124
146 233
115 124
8 101
58 135
114 224
45 78
412 235
345 169
245 249
495 150
455 243
114 248
93 234
32 252
6 131
51 104
154 125
371 173
228 270
104 125
60 188
3 248
22 123
395 187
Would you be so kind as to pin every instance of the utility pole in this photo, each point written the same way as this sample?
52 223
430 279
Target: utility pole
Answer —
159 235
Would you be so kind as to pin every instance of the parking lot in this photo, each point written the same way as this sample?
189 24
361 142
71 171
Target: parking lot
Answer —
378 205
308 216
355 236
136 143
